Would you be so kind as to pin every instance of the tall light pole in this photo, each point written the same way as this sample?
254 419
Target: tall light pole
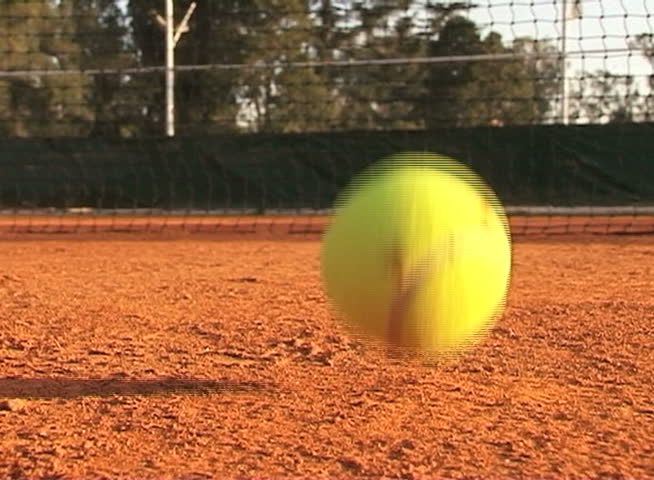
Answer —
172 37
170 69
564 68
570 10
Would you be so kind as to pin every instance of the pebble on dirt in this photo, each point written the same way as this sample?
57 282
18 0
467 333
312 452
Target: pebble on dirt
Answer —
12 405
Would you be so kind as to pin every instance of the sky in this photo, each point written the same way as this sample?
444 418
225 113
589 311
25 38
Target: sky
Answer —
604 25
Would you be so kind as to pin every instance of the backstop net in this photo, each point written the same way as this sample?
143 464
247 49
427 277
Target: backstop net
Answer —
253 114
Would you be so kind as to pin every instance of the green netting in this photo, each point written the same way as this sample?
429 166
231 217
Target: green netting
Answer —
608 165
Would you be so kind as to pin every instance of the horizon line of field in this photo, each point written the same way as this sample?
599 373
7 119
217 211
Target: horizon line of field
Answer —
83 212
611 222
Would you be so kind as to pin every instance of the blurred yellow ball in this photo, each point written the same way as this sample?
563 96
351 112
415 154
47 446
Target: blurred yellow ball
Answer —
418 253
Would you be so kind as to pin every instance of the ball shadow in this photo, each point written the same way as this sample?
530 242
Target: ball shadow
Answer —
62 388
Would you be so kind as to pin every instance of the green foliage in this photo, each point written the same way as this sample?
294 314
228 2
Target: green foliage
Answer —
501 91
281 97
101 33
378 96
38 37
645 42
602 97
256 84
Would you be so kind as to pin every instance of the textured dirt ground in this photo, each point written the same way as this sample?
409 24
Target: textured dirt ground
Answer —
187 357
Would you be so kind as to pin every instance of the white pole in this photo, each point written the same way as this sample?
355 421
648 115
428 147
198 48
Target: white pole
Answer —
170 69
564 74
183 26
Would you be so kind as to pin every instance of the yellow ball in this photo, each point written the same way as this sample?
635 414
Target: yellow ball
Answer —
418 253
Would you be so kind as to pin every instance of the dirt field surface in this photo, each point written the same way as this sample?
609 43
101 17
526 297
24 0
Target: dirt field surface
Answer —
157 356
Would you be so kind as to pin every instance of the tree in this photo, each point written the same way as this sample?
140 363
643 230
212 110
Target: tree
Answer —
101 31
645 42
602 97
265 34
498 91
249 79
284 97
378 96
38 37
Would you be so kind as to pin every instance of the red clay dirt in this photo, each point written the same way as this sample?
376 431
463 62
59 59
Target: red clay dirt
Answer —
188 357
